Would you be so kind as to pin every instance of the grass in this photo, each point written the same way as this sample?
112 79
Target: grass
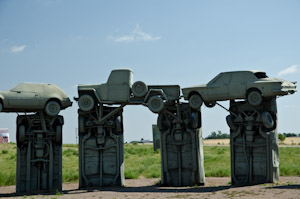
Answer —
70 163
217 161
8 160
141 161
289 161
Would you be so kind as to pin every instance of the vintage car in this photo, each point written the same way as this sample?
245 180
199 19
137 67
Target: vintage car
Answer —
250 85
120 89
33 97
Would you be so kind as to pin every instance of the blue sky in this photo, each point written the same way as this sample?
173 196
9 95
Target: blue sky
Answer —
164 42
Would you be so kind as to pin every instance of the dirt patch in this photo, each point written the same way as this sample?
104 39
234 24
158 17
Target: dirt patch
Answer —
293 141
287 187
214 142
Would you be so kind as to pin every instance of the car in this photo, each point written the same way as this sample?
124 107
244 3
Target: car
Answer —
34 97
253 86
120 89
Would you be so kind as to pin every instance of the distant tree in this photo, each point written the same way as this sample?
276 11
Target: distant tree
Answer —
290 134
219 135
281 137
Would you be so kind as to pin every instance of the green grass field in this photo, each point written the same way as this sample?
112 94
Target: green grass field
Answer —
141 161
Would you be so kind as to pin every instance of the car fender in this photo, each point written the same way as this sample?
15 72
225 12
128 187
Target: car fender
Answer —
157 92
202 92
90 90
3 100
253 86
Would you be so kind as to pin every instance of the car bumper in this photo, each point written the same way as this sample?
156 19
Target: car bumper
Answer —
284 91
66 103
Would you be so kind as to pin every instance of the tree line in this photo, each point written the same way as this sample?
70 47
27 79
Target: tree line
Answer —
220 135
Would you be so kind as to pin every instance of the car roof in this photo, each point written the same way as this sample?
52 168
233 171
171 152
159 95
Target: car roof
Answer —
245 71
33 86
122 69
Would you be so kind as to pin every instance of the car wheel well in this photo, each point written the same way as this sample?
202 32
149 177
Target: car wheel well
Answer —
91 93
193 93
252 89
1 101
55 100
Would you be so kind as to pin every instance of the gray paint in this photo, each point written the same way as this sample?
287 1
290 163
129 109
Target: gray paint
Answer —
238 85
254 147
39 153
119 90
32 97
101 147
182 160
156 137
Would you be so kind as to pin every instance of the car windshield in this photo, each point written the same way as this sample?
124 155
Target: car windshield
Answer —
24 87
260 75
19 87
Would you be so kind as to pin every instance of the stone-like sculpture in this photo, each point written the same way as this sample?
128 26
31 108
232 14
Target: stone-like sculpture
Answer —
101 155
39 153
120 89
253 122
101 147
254 142
251 85
182 160
39 136
33 97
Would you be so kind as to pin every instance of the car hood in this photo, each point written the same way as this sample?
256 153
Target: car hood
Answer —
195 86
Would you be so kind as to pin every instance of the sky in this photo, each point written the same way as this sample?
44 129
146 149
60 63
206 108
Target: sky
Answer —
71 42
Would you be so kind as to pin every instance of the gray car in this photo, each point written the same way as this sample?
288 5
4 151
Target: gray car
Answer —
250 85
33 97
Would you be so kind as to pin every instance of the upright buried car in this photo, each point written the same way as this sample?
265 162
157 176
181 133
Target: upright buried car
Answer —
32 97
250 85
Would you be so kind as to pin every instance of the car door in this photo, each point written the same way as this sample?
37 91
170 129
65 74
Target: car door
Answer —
218 88
237 86
23 99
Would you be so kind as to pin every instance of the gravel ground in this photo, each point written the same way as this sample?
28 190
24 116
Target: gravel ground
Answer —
287 188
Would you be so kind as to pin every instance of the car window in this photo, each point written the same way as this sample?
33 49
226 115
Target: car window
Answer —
221 79
120 77
25 87
260 75
19 87
241 77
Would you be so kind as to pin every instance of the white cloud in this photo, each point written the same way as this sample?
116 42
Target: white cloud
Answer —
136 35
17 49
290 70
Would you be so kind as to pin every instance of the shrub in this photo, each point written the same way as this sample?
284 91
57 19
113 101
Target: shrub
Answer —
4 151
281 137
